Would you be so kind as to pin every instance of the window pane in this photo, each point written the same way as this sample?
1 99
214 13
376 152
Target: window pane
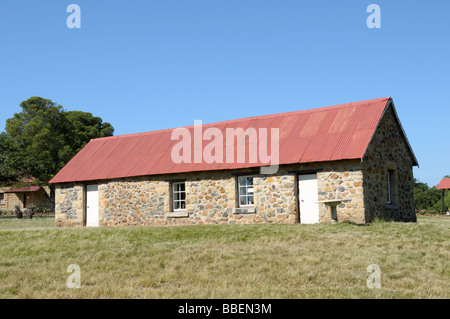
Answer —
245 190
179 205
178 187
179 196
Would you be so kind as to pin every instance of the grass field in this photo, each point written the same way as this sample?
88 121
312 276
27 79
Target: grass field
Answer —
226 261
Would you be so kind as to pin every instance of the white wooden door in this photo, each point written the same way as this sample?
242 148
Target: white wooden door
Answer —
308 197
92 205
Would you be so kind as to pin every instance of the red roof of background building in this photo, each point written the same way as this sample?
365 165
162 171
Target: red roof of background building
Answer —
324 134
444 184
25 189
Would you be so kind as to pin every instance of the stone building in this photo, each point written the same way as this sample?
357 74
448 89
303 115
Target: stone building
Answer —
26 194
350 162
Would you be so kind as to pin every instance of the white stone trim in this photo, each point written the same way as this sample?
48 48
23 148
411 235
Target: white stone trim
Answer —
244 210
177 214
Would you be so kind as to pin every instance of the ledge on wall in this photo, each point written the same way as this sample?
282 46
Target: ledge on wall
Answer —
392 206
244 210
177 214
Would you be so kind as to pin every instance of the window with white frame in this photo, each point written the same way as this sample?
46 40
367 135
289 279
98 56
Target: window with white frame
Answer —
245 191
2 197
179 196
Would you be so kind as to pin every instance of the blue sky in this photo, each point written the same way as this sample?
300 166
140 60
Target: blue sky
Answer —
148 65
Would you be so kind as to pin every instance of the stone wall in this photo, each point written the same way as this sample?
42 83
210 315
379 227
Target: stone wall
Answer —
276 199
388 151
342 180
11 200
69 205
211 197
4 203
132 201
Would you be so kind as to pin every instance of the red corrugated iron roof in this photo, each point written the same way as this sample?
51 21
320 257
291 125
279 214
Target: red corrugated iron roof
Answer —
324 134
25 189
444 184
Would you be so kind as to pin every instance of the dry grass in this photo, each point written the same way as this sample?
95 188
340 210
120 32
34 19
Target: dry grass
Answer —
229 261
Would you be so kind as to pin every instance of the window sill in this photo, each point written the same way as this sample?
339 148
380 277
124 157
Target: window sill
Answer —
392 206
244 210
178 214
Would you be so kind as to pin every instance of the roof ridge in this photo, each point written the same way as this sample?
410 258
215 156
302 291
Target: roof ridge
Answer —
319 109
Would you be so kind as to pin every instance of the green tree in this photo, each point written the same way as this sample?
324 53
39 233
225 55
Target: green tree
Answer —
419 186
85 127
425 198
428 199
437 207
44 137
447 200
9 160
37 132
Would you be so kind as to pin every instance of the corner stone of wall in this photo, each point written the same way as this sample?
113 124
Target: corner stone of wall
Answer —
69 205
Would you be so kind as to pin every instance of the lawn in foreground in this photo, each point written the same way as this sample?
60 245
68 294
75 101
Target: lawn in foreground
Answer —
226 261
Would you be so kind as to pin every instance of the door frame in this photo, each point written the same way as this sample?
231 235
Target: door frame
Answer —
296 173
85 186
297 190
25 202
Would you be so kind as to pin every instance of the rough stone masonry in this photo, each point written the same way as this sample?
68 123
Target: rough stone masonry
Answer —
212 196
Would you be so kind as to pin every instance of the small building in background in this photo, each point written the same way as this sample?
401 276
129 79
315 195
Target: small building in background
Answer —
444 184
24 195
